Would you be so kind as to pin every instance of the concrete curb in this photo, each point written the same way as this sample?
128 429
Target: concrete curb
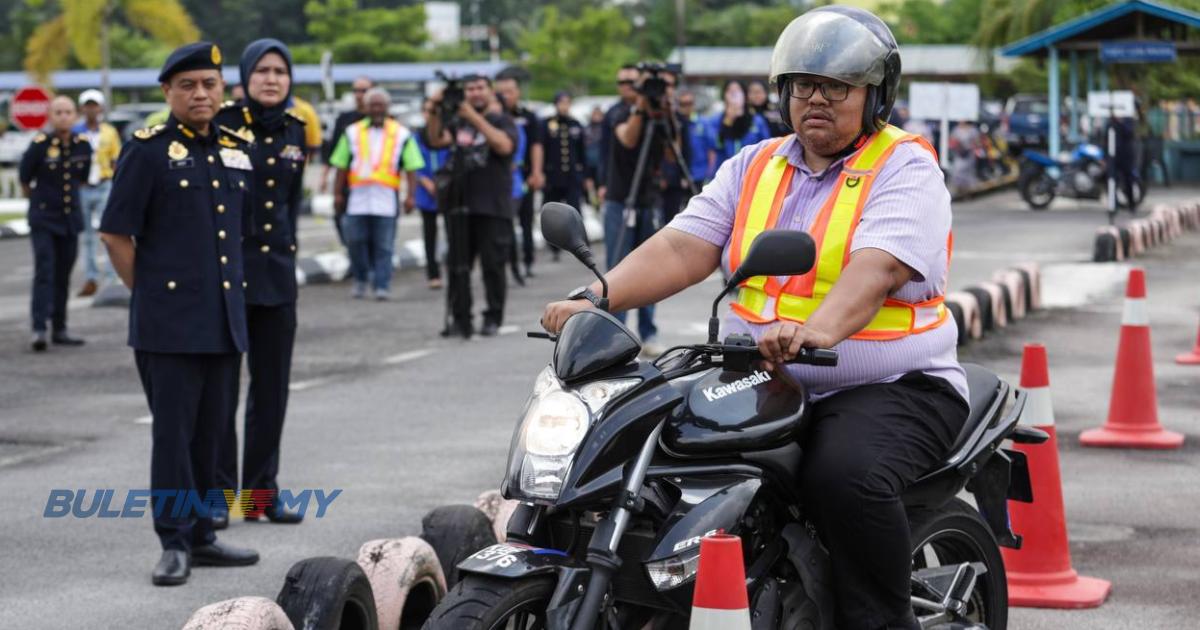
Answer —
14 229
1164 224
1011 294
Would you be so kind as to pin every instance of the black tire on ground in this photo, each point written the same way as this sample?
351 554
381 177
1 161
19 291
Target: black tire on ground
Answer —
956 533
957 313
455 532
328 593
984 297
1126 242
1006 301
1105 249
479 602
1030 183
1027 282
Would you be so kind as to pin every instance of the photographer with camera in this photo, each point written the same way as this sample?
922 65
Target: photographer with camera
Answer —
648 133
476 187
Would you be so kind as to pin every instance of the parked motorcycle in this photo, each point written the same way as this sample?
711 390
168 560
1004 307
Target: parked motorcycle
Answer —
622 467
1042 178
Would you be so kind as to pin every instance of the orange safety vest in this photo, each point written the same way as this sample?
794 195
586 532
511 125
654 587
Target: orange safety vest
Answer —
386 169
763 299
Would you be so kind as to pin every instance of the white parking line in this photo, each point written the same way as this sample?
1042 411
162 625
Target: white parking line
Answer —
405 357
144 420
300 386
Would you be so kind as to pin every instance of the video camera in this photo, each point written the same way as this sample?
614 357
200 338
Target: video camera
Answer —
654 87
452 97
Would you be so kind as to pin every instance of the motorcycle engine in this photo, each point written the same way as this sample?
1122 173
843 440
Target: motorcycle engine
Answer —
1084 183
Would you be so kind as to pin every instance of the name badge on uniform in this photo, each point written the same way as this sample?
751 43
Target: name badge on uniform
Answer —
292 152
236 158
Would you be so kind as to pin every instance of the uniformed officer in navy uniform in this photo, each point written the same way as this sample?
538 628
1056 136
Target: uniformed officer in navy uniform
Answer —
173 228
277 153
51 172
566 159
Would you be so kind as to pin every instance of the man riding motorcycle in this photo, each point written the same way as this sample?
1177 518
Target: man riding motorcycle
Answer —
873 198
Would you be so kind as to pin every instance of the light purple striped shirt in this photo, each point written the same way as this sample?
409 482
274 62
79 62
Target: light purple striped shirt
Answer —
907 215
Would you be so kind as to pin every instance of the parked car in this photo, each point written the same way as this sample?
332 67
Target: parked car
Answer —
1028 120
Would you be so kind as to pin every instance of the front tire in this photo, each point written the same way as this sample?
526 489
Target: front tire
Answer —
487 603
953 534
1036 186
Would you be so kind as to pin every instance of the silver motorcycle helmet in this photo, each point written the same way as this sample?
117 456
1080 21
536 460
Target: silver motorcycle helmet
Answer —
845 44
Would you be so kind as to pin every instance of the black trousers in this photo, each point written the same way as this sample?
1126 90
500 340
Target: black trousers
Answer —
53 258
674 199
525 218
190 397
866 445
429 229
272 334
489 239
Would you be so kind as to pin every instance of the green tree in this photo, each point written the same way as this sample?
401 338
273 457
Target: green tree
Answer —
86 27
581 54
362 35
932 21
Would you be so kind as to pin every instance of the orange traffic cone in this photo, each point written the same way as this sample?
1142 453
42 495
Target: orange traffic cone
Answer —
1190 358
1040 573
1133 408
720 601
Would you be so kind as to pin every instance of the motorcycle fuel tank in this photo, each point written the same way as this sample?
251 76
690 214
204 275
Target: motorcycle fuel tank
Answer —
727 411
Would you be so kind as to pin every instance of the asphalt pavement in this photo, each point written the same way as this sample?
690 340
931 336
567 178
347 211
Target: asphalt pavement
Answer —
401 420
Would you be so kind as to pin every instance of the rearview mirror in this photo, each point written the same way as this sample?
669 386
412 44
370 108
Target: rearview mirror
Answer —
562 226
777 253
773 253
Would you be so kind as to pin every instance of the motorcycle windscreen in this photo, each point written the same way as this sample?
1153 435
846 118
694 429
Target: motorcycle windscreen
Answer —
592 341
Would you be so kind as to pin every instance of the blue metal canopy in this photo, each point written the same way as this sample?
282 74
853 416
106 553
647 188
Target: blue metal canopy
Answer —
1105 24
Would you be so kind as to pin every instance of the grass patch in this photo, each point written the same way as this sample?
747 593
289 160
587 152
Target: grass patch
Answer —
10 216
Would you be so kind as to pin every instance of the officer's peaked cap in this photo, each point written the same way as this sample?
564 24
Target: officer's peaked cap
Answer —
197 56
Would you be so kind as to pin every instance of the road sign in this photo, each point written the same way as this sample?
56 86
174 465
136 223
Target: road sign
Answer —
1137 52
31 107
1115 104
935 101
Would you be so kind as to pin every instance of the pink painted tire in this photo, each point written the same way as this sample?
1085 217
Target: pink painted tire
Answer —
972 322
498 510
1014 284
241 613
406 579
1000 311
1033 296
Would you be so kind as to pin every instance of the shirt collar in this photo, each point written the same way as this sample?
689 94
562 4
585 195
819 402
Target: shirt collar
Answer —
794 152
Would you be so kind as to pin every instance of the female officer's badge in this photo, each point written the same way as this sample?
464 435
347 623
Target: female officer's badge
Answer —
177 151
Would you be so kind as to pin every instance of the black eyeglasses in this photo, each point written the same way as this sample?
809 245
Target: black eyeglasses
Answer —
831 90
626 82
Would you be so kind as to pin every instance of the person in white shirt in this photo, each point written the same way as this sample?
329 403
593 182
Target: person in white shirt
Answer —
373 156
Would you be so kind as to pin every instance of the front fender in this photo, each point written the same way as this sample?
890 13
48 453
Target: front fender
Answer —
516 560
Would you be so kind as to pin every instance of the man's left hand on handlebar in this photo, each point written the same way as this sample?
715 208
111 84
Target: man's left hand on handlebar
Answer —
783 341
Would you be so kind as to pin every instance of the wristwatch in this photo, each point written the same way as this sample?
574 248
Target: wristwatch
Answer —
585 293
635 111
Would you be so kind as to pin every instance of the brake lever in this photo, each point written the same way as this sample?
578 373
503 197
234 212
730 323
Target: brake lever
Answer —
541 335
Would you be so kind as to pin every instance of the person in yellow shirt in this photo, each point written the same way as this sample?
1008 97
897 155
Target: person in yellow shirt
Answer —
106 146
303 110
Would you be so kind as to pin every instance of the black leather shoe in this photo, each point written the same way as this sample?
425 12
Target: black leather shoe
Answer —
277 514
172 569
63 339
220 520
216 554
516 275
489 329
39 342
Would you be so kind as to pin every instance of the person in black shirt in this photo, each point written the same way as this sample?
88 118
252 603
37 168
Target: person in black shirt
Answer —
565 156
51 172
482 142
627 225
759 100
269 257
627 76
508 89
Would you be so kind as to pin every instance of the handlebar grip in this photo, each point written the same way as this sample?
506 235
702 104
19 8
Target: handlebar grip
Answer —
816 356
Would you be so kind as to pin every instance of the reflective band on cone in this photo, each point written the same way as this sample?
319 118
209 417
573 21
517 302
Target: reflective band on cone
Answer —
1133 408
1040 573
720 601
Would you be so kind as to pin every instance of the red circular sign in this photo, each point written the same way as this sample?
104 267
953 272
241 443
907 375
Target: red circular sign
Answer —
31 107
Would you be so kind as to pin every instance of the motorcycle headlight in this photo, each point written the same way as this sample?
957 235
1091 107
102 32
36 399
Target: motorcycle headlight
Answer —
598 394
553 428
674 571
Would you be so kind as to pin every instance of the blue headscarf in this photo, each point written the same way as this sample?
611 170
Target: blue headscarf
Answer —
270 117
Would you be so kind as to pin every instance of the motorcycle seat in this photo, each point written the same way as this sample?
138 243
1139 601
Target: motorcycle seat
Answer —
982 389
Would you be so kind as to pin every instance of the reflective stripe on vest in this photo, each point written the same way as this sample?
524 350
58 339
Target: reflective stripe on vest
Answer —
762 299
386 169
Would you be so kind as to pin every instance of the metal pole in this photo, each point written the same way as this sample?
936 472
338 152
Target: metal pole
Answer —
1052 138
1073 79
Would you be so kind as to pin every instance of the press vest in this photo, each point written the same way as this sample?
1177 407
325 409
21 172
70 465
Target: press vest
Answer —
763 299
385 171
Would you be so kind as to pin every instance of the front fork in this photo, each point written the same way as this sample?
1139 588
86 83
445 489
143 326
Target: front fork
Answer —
602 549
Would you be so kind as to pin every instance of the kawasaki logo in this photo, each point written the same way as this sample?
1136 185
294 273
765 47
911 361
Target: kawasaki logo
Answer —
717 393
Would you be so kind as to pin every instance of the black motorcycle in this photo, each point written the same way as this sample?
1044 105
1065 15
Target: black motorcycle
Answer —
623 466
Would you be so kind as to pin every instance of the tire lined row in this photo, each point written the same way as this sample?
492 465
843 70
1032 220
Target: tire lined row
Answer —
1164 224
1010 295
393 584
